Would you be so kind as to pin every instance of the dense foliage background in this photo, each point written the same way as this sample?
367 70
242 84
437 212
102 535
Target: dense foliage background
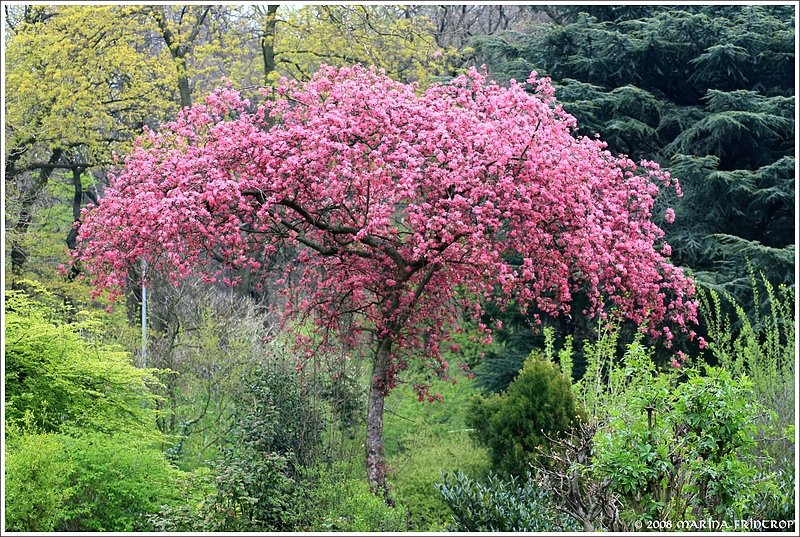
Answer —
223 426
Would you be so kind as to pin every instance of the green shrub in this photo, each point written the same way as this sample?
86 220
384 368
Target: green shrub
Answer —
37 474
426 440
196 490
511 505
277 411
83 446
60 374
684 449
339 499
515 424
764 350
761 346
678 444
91 483
118 480
253 493
415 472
242 492
276 430
671 445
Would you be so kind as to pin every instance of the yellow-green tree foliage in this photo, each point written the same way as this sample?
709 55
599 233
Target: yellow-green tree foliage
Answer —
84 79
388 37
81 82
228 47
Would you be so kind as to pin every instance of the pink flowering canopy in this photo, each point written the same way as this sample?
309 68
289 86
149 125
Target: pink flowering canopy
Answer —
408 208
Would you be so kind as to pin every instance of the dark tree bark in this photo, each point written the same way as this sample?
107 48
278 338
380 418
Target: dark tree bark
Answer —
77 200
268 41
183 80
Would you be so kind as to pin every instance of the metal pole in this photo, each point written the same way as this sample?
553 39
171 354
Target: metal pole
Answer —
144 315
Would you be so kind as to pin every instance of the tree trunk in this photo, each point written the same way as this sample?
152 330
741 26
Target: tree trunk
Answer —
178 50
376 464
77 199
183 79
268 42
72 236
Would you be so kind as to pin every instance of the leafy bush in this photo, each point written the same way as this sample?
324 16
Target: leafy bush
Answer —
94 482
415 472
672 445
118 480
679 450
65 379
763 349
277 412
280 424
244 490
196 489
253 493
37 473
339 500
275 431
513 505
427 440
515 425
82 448
276 427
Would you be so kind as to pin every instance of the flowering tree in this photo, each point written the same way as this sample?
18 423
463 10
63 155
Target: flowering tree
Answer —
406 207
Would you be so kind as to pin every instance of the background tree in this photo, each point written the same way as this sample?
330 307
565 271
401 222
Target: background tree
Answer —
80 83
707 91
403 206
180 26
267 38
382 36
457 25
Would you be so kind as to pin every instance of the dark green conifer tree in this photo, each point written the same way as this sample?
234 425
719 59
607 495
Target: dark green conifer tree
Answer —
707 91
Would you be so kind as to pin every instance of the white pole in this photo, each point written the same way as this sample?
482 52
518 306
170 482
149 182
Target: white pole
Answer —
144 315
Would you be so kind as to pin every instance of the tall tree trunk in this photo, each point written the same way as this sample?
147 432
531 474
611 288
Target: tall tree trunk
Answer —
72 236
376 464
77 199
268 42
183 79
